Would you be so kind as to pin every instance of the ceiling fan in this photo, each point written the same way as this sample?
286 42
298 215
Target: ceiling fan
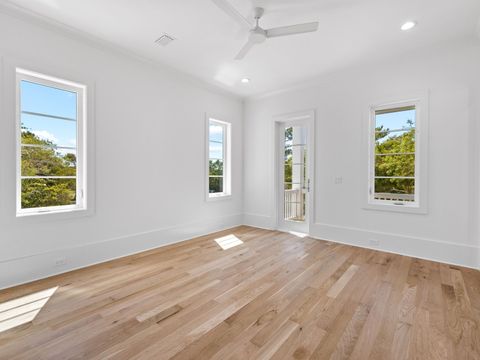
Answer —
257 34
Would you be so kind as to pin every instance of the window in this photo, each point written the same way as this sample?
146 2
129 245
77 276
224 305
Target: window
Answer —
394 175
218 159
50 155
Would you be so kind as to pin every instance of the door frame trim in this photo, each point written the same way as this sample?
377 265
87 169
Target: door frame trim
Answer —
309 117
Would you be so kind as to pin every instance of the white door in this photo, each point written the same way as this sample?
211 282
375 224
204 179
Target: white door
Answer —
294 180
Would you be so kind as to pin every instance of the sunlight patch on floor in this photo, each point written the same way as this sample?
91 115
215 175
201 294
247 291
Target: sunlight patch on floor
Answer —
22 310
229 241
298 234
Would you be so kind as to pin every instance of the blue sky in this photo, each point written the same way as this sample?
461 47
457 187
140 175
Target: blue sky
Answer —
216 134
396 120
46 100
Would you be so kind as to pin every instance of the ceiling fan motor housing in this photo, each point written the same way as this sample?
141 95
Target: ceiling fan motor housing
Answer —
258 12
258 35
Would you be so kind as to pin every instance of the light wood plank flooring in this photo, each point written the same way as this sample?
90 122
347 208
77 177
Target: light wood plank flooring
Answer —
274 296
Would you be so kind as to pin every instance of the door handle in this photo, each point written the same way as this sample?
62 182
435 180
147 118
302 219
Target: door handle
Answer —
308 186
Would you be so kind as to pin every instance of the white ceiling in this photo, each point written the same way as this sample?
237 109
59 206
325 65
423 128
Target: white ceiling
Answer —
350 31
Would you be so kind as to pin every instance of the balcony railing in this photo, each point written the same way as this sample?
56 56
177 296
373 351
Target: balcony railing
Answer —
294 205
395 197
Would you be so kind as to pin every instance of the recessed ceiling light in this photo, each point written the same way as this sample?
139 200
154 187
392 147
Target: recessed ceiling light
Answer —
245 80
408 25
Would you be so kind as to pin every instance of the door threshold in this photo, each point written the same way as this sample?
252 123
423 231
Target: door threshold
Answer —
296 233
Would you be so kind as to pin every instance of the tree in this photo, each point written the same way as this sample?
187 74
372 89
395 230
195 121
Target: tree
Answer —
395 165
288 159
216 169
45 160
288 169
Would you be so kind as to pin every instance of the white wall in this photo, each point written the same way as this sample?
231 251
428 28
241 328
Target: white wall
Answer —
150 173
149 155
341 100
475 140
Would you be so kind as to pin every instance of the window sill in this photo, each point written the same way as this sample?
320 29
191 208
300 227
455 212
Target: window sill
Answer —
53 215
385 206
218 197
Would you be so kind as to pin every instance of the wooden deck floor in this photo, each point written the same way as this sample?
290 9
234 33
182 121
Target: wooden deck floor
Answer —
274 296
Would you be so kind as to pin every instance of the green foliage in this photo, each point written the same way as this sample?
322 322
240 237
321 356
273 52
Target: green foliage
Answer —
288 159
288 169
215 184
47 192
46 161
215 169
395 165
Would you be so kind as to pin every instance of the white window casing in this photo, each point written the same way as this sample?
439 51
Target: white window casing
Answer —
218 153
415 202
79 148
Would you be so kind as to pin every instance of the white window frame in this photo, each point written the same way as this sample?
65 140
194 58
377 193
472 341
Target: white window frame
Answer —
81 179
227 179
419 205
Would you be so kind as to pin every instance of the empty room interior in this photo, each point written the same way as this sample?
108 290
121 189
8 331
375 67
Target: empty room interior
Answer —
240 179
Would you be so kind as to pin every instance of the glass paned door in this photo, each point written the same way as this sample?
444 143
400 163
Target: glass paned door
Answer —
295 174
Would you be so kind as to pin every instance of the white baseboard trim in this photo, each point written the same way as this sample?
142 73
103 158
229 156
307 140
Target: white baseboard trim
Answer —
17 271
422 248
259 221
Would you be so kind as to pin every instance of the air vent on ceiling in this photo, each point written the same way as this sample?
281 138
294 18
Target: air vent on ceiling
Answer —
164 40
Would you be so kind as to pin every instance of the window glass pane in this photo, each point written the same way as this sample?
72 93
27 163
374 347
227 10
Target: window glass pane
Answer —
395 154
296 135
48 100
298 174
215 150
48 131
48 145
215 184
402 118
39 161
288 171
48 192
395 165
294 205
294 157
216 167
288 152
216 132
395 189
218 172
288 137
395 142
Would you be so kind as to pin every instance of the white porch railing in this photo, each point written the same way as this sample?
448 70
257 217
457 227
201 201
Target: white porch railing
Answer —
293 205
394 197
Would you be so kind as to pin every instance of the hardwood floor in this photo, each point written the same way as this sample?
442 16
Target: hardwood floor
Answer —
274 296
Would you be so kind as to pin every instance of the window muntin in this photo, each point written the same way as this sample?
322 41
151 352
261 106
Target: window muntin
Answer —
50 137
218 158
394 175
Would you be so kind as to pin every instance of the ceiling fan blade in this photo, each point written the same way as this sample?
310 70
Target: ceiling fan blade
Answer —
233 13
245 49
292 29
